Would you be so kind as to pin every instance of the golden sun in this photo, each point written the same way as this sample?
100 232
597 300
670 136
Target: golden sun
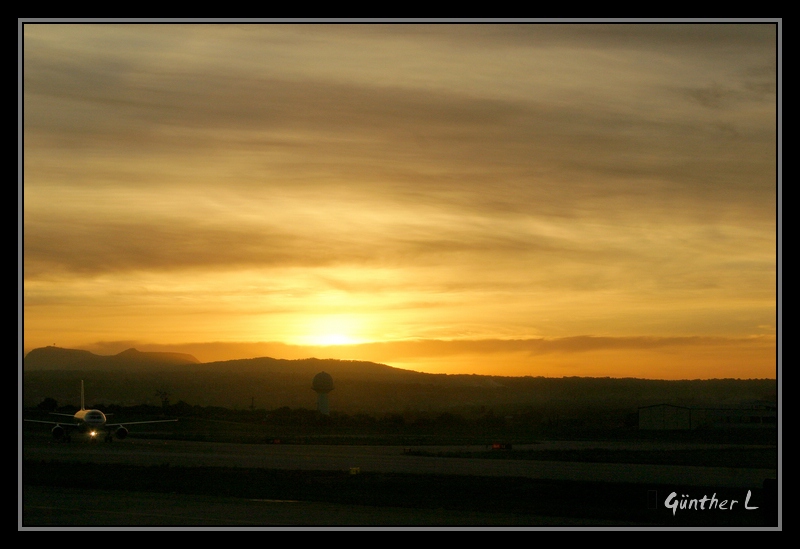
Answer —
332 330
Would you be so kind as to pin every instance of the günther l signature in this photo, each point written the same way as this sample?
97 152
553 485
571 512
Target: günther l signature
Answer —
684 502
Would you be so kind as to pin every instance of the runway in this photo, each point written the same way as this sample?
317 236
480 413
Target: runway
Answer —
100 509
69 508
388 459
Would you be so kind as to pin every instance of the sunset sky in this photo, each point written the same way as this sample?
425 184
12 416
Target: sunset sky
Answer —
506 199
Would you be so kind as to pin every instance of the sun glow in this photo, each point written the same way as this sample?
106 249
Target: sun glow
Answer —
332 339
331 330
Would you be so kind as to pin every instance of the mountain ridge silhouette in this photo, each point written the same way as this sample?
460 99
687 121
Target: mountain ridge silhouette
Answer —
134 377
60 358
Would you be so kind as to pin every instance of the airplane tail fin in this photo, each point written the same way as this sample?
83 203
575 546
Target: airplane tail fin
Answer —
82 405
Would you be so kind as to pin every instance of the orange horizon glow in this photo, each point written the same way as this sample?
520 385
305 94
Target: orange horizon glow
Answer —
665 358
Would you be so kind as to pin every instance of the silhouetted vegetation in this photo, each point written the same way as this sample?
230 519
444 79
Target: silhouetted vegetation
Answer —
267 399
376 389
48 405
477 425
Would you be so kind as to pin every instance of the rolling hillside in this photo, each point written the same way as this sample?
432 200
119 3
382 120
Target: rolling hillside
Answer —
134 377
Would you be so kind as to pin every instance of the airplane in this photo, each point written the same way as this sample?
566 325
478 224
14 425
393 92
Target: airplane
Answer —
91 422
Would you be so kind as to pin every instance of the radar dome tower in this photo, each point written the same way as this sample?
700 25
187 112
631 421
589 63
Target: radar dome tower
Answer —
322 384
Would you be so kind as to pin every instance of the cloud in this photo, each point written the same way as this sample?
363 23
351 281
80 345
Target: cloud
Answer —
541 346
400 350
527 177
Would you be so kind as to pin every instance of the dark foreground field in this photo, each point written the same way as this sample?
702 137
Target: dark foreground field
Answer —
565 501
87 490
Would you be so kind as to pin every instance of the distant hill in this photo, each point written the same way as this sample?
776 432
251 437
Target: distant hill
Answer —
57 358
309 367
133 377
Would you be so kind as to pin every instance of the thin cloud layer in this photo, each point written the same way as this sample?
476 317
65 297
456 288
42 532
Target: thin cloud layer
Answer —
488 181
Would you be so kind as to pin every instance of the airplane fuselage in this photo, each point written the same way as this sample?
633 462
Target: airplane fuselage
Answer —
90 418
91 421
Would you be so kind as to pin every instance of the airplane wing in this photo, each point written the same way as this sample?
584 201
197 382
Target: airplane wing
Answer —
53 422
113 425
